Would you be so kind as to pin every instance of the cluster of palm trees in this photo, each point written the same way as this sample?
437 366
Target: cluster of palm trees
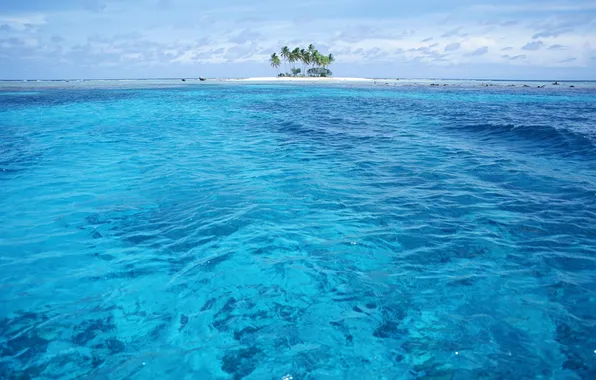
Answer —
313 63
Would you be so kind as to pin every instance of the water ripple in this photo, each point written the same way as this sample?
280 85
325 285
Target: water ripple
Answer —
255 231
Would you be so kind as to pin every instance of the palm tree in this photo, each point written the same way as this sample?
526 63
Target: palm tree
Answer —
317 58
275 61
306 58
285 54
330 59
291 58
324 64
295 56
309 57
303 58
311 54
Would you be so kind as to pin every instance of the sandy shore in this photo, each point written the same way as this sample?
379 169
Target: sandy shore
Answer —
401 82
299 79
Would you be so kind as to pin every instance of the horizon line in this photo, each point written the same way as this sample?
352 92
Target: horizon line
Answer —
245 77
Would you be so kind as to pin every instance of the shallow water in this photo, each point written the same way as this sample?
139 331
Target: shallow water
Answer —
325 232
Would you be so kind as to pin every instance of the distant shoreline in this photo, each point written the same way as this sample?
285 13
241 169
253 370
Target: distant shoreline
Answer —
298 79
307 79
409 82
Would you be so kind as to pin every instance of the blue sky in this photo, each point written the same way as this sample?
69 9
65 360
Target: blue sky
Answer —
499 39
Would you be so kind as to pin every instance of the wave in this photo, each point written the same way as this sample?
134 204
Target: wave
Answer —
544 139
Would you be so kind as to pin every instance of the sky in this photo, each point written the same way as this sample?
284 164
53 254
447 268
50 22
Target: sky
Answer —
479 39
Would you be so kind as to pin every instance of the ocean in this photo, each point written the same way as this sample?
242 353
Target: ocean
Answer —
297 231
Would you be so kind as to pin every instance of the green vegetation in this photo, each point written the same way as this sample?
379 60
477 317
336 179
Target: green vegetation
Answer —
275 61
313 63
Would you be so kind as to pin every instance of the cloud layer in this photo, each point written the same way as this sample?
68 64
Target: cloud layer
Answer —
162 38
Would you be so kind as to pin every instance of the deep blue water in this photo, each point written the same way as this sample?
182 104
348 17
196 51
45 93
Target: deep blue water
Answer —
340 232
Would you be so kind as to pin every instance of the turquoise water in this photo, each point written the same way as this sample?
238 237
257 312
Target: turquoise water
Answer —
322 232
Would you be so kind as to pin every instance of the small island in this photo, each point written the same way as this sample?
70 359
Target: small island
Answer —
314 64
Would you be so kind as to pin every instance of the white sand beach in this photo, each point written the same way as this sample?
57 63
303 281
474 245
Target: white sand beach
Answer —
300 79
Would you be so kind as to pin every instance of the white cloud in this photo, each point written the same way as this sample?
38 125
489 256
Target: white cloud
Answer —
22 22
533 45
535 7
183 32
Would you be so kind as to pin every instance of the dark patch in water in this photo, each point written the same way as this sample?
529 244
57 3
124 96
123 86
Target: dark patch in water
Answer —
115 346
157 330
223 316
91 328
241 363
138 239
349 340
247 331
105 257
387 329
573 344
28 344
208 304
183 321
